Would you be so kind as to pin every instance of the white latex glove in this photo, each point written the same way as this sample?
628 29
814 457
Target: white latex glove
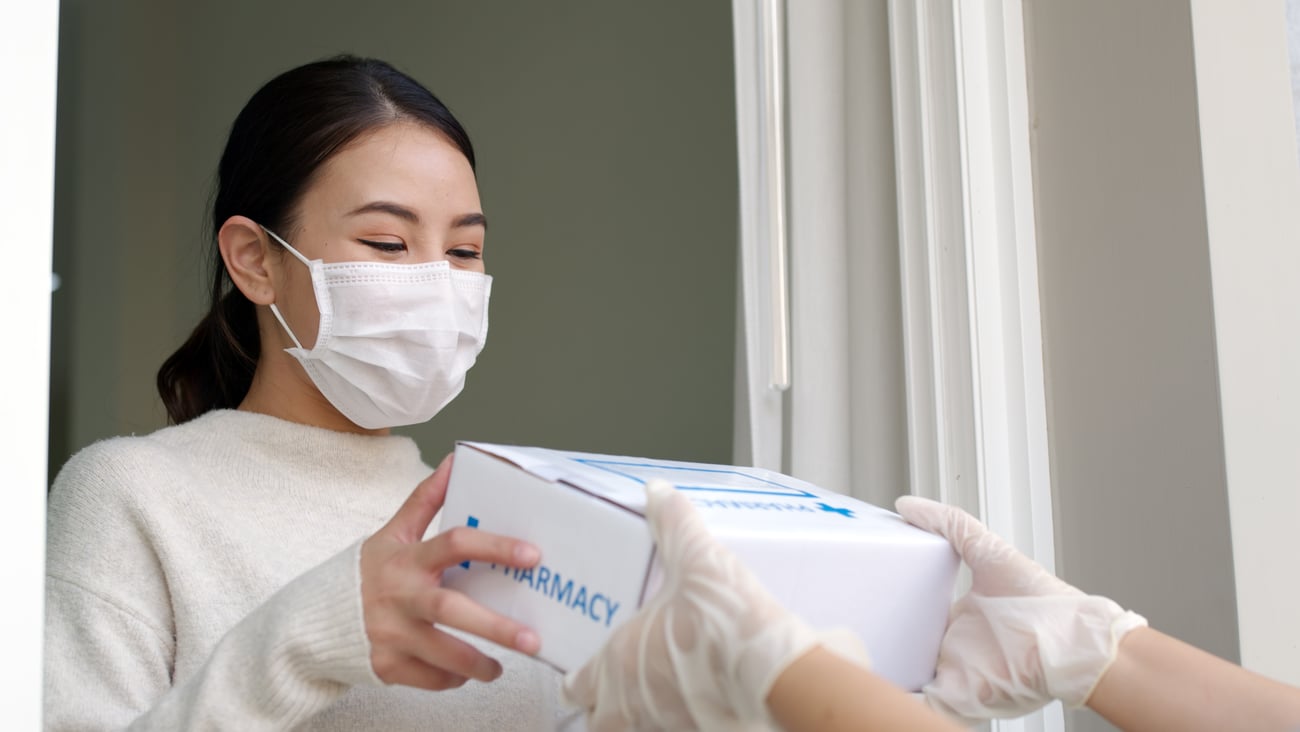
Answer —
704 652
1020 637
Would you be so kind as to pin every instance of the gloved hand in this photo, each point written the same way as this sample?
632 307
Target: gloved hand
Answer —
704 652
1020 637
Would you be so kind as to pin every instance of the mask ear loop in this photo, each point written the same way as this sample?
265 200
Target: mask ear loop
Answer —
274 310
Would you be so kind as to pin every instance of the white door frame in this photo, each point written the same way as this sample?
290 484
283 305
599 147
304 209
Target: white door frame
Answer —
977 424
1252 199
27 207
972 338
762 372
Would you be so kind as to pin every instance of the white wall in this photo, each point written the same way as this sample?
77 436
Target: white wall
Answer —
1293 45
27 208
1131 359
1252 210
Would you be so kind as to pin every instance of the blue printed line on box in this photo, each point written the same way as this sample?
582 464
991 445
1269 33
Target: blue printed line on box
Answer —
714 480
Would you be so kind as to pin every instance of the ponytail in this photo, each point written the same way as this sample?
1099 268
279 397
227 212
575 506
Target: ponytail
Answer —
214 368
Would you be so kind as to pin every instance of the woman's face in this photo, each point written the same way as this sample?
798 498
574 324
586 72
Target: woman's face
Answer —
400 194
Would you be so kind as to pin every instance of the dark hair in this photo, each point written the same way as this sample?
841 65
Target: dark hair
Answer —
292 125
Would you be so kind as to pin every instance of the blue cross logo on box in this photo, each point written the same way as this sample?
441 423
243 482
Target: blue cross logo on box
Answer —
845 512
473 524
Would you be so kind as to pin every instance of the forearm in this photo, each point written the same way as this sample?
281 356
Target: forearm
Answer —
1160 683
825 692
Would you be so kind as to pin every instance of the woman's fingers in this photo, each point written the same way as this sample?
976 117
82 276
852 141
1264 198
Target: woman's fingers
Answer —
412 519
463 544
450 608
411 671
442 650
402 598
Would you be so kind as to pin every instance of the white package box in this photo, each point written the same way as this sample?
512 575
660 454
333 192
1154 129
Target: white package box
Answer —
833 560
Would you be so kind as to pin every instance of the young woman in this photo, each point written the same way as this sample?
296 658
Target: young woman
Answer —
260 563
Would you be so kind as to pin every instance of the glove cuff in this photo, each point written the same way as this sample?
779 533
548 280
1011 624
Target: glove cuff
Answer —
846 644
1073 665
768 656
1118 629
765 657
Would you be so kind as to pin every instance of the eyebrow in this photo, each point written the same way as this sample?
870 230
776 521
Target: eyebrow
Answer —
387 207
406 214
470 219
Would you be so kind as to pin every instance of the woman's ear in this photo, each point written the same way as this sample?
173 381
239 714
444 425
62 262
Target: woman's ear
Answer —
245 249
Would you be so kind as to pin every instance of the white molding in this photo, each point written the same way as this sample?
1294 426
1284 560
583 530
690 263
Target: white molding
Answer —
932 258
975 393
760 410
1002 251
27 206
820 423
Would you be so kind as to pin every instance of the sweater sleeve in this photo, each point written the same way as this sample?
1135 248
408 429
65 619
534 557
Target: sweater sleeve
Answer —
289 659
109 653
286 661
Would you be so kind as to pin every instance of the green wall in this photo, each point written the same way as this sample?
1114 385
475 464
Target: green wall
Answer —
605 133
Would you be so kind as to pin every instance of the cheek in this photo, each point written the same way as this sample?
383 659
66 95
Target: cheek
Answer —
297 303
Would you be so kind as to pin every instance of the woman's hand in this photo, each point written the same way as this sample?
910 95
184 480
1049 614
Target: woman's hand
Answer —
1020 637
405 604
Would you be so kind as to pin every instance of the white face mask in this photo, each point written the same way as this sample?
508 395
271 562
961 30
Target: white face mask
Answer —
395 340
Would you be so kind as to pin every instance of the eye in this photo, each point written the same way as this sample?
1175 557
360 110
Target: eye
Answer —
465 253
384 246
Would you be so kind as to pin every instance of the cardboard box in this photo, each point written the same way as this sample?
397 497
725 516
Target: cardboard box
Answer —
833 560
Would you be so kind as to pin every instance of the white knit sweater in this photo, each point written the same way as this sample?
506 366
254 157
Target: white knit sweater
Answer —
206 577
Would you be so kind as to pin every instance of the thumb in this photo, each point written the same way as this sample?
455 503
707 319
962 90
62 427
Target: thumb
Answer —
412 519
674 522
997 567
973 542
962 530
